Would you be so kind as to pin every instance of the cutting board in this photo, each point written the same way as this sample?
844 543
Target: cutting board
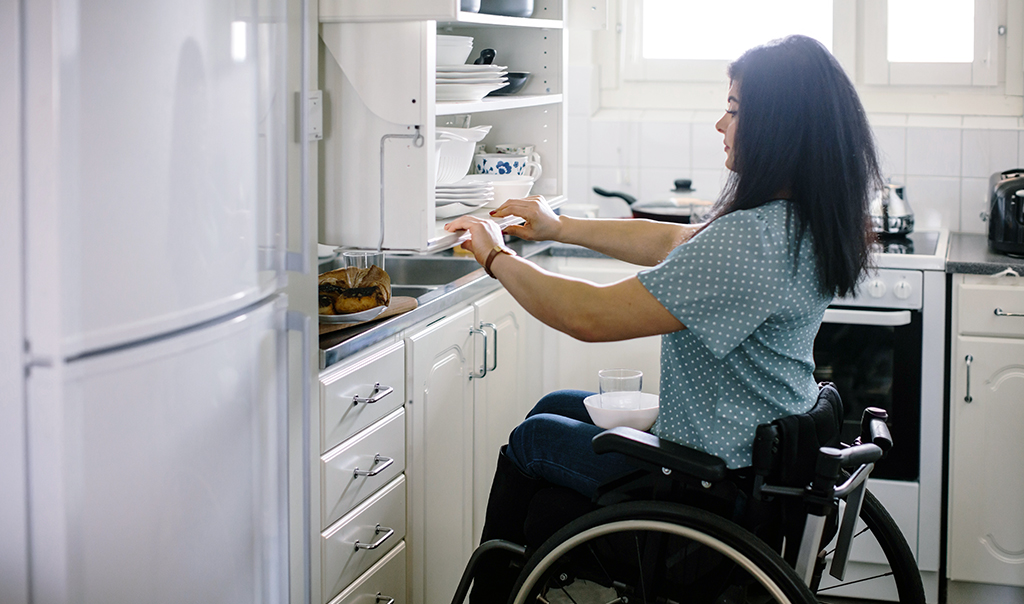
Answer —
399 305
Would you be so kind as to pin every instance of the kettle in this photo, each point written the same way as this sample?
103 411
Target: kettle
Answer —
890 212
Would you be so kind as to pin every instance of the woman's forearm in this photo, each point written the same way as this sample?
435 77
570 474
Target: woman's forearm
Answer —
637 241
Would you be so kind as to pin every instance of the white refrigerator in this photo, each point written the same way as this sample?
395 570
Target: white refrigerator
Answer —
145 332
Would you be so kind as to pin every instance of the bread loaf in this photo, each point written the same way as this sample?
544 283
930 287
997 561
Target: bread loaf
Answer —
349 290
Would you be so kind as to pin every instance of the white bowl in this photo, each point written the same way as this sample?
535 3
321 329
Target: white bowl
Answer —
454 157
453 50
506 186
639 419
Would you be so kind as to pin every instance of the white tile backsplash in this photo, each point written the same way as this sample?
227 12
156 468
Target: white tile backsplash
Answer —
988 151
935 201
891 144
933 152
944 168
974 200
664 144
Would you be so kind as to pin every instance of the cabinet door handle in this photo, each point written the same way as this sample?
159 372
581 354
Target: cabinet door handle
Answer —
968 398
377 543
1002 313
483 368
377 394
381 598
377 470
494 328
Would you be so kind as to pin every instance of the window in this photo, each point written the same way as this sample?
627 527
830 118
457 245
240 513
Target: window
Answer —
879 42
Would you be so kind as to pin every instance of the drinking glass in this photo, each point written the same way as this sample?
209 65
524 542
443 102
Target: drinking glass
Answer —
620 388
362 259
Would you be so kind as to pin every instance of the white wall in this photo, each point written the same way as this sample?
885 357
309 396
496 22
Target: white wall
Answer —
944 161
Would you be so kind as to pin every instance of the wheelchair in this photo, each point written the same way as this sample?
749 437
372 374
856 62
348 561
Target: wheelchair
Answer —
683 528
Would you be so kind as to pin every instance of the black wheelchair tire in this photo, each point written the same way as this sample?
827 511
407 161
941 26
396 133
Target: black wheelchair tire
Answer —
725 538
897 551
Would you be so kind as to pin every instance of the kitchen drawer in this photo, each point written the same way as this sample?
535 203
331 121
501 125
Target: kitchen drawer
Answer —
342 488
341 416
342 561
978 304
385 582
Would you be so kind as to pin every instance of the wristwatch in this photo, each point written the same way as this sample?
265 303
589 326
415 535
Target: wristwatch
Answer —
497 249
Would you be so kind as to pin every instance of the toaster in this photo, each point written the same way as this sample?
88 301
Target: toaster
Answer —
1006 212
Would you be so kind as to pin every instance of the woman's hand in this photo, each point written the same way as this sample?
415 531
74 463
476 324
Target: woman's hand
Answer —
483 235
541 222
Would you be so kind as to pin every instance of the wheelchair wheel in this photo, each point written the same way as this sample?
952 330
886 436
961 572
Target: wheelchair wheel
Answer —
647 552
899 556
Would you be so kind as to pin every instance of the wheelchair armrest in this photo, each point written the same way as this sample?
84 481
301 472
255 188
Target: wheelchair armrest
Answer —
655 451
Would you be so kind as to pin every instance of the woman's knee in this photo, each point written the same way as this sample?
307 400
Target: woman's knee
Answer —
567 403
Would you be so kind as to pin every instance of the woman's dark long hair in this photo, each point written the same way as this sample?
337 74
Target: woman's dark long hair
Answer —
802 132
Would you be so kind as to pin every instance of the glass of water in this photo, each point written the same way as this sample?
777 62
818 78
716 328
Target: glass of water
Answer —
620 388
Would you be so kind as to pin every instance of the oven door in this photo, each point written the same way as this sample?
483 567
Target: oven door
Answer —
874 359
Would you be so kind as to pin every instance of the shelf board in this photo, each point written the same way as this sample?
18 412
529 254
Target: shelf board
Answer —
466 18
496 103
444 240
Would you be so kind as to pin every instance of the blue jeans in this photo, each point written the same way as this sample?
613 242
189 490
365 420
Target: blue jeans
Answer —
553 443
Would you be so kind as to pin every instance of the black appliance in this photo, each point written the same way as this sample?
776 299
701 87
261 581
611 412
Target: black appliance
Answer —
1006 212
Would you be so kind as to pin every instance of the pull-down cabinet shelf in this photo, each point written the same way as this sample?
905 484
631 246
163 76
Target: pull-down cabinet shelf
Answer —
378 77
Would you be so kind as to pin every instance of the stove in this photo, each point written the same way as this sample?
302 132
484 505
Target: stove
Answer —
884 347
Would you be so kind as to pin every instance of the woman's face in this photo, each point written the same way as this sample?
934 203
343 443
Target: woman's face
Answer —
727 125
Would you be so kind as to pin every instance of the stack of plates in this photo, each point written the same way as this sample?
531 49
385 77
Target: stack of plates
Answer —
469 82
461 197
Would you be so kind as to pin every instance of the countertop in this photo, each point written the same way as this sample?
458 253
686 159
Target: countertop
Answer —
338 345
969 254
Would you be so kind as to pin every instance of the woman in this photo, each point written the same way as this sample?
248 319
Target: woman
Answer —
738 299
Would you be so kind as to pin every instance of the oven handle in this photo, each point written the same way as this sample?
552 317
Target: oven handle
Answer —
891 318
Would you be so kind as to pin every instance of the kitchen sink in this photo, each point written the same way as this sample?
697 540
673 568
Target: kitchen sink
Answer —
428 271
415 276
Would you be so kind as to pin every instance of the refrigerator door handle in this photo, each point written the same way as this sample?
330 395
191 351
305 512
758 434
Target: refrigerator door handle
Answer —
303 323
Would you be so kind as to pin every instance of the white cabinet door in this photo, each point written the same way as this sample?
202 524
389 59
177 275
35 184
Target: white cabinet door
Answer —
986 531
501 398
440 464
574 364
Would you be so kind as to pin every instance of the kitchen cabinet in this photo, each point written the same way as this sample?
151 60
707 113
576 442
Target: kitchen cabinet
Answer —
440 435
461 409
986 487
574 364
359 501
378 161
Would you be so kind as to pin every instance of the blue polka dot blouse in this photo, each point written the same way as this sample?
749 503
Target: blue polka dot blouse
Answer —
748 293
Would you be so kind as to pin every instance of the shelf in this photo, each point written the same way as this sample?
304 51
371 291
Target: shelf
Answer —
444 240
464 18
497 103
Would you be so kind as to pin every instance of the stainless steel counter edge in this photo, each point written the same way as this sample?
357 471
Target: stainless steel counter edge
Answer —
470 286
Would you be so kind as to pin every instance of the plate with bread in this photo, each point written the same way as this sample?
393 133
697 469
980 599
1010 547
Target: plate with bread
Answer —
353 295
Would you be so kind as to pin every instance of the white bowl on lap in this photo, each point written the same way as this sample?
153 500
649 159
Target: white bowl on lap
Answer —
639 419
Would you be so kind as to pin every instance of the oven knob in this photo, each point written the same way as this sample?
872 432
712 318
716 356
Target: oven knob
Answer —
876 288
902 289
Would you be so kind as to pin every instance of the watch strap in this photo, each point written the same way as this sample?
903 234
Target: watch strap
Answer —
498 249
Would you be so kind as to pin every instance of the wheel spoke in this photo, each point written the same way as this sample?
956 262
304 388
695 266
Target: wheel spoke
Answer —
888 574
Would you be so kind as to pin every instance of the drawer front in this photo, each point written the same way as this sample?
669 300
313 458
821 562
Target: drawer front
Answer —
368 525
342 416
379 449
978 307
386 578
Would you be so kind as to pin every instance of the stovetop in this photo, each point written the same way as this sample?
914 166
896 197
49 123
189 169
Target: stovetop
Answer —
924 250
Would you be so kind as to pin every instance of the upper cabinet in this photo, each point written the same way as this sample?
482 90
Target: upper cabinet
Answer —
378 73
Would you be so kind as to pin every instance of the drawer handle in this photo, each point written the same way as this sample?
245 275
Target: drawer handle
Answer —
377 394
376 459
968 398
1002 313
381 598
376 544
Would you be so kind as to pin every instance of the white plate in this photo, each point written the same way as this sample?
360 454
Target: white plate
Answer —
355 317
476 202
459 77
481 187
453 210
465 92
465 195
470 68
471 81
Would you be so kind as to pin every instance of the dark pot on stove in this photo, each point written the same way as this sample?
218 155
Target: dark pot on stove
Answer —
679 207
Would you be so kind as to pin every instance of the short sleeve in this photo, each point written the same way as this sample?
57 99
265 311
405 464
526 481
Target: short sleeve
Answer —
725 281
